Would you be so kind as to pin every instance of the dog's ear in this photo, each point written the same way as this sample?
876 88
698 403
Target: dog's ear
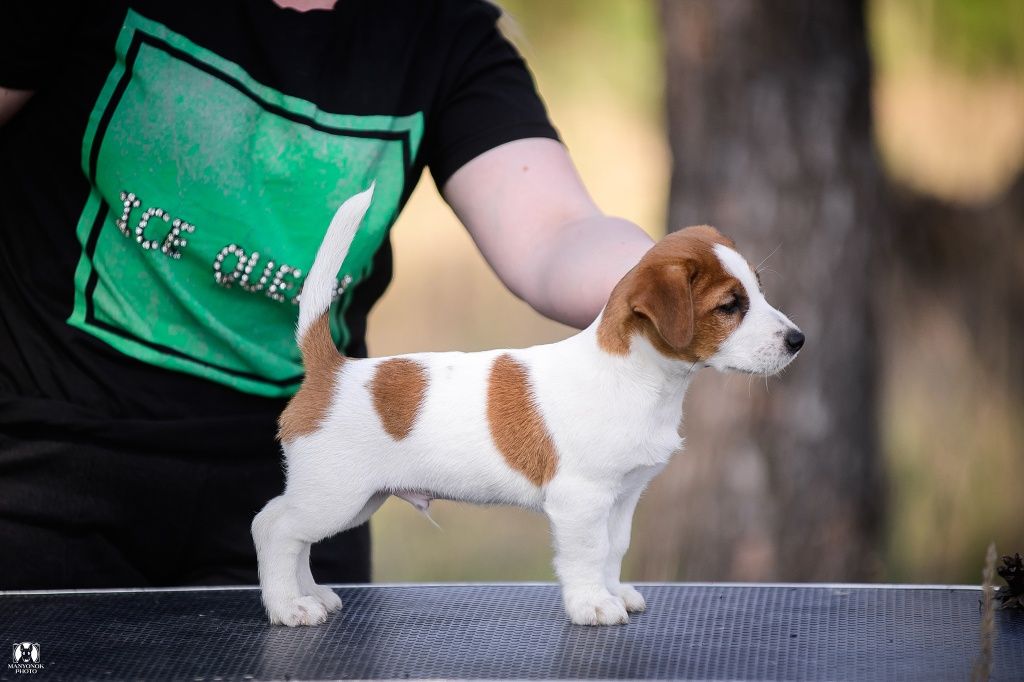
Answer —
664 298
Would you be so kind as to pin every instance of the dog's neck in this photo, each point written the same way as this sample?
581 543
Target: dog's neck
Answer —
643 364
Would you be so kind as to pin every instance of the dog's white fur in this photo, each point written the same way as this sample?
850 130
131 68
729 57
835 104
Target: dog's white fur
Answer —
614 422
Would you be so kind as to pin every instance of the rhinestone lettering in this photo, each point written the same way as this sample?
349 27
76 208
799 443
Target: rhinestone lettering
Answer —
274 281
173 241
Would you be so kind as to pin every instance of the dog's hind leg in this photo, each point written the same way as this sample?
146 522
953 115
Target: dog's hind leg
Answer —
308 587
281 531
324 594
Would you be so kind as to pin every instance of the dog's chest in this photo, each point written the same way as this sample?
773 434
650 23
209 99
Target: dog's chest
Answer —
601 417
658 430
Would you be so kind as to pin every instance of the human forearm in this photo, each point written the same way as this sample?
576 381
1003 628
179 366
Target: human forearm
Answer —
534 222
576 267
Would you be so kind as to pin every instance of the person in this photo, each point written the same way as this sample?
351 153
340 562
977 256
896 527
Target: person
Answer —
167 170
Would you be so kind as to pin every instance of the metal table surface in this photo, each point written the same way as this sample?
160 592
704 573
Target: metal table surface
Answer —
703 631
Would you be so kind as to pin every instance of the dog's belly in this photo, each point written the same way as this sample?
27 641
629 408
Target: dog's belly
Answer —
478 475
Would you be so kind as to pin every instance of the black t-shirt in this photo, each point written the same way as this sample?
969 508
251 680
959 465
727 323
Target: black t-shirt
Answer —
165 189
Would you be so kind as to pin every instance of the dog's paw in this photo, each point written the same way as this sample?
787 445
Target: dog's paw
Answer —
303 610
633 600
598 608
326 596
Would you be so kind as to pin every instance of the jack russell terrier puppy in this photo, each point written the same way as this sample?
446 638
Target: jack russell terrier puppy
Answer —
576 429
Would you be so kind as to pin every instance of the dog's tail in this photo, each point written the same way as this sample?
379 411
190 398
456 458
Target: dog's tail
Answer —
319 286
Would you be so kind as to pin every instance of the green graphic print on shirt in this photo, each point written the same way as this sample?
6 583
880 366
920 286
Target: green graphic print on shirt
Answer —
210 194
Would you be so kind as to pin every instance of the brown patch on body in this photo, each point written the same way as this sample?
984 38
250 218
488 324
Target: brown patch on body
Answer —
398 388
672 298
323 363
517 428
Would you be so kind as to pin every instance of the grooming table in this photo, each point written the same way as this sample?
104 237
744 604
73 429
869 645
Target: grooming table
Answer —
704 631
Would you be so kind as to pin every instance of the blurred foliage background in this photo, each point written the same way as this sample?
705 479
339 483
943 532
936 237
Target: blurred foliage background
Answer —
948 110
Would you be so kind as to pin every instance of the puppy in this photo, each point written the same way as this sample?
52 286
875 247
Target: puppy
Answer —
575 429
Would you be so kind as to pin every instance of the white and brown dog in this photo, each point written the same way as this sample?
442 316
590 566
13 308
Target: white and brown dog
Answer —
576 429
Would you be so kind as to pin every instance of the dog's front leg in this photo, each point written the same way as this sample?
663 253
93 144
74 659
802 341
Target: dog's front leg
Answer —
619 525
579 512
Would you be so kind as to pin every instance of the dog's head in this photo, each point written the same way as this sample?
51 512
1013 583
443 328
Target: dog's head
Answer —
696 299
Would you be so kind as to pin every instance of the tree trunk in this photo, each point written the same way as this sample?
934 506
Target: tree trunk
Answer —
970 260
769 119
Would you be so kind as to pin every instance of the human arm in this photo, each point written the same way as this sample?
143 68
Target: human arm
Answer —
526 208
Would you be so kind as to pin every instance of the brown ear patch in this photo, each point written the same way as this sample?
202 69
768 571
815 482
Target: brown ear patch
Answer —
398 388
664 302
322 361
517 428
670 297
618 323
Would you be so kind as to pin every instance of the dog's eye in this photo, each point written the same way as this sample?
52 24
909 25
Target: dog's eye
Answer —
730 307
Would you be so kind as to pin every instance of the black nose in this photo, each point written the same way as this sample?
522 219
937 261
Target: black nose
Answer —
794 340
